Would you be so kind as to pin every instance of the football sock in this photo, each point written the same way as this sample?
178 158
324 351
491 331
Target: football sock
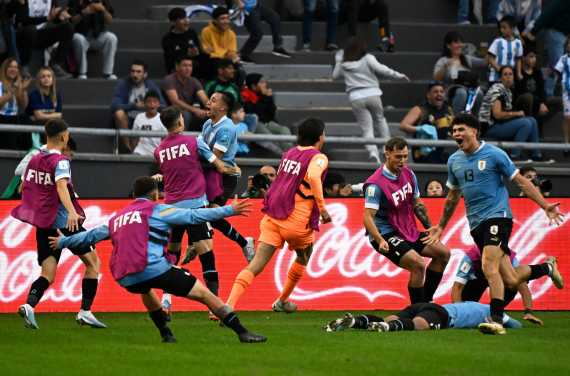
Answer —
242 282
510 295
416 294
159 320
88 291
401 324
362 321
497 310
232 322
37 290
227 229
431 283
293 276
537 271
209 272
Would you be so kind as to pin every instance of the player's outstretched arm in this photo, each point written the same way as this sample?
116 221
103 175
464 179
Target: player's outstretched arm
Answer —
532 192
222 168
81 239
527 302
421 213
434 232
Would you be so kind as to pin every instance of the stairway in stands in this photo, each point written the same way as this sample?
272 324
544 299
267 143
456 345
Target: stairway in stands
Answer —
302 85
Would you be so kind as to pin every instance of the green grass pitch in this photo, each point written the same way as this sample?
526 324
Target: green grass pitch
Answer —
297 346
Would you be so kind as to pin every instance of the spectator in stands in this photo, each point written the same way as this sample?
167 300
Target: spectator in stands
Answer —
269 172
224 82
182 40
454 69
430 120
258 99
257 186
13 102
219 41
335 185
506 49
238 116
361 72
501 121
149 120
41 24
128 99
91 19
529 91
255 12
367 11
562 68
464 8
182 90
434 188
543 185
45 101
525 12
555 21
309 7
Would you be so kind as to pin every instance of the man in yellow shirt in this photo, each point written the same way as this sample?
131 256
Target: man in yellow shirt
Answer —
219 41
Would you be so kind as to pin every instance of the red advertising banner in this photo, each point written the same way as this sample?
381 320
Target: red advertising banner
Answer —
344 273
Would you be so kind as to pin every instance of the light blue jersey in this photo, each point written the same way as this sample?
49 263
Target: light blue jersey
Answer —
223 137
471 314
374 198
507 52
467 270
481 178
563 68
160 223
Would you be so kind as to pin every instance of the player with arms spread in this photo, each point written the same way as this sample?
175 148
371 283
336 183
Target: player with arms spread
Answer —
478 170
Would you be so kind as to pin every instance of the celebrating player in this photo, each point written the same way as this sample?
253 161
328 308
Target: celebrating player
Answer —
49 203
292 207
139 233
422 316
477 170
392 197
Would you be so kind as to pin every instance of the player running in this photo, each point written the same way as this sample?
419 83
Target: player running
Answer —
477 170
392 199
423 316
292 207
49 203
139 233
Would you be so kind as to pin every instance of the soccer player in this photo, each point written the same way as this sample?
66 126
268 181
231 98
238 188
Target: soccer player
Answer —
219 133
470 282
478 171
139 263
179 158
49 203
292 207
423 316
392 203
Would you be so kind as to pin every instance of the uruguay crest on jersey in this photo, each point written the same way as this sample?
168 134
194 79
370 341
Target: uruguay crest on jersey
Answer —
482 164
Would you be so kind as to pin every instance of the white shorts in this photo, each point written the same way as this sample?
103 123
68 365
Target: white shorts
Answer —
566 103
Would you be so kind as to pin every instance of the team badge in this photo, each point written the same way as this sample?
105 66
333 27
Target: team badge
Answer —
482 164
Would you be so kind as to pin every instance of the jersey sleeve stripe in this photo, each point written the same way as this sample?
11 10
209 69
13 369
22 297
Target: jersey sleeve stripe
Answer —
514 174
371 205
220 147
62 176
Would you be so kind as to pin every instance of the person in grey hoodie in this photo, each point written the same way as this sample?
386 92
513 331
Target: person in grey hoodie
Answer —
361 71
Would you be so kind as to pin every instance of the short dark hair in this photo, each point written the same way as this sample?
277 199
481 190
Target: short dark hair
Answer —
224 63
523 170
466 119
141 63
508 19
169 117
237 106
396 143
503 67
144 185
176 13
431 181
71 144
181 58
152 94
54 127
219 11
228 100
310 131
435 83
252 79
333 178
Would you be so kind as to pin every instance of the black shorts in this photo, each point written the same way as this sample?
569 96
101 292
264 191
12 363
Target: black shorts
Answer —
494 231
203 231
398 247
436 316
44 250
230 183
175 281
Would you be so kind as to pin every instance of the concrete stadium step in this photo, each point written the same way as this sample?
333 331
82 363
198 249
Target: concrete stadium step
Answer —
410 36
333 152
425 10
352 129
291 115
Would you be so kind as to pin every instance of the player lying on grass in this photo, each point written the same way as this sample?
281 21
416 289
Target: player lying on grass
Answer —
424 316
139 263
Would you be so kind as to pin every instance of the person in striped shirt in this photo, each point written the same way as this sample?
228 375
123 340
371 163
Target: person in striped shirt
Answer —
505 50
563 69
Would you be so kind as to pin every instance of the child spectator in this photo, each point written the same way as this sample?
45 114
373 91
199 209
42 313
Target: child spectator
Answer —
563 69
505 50
224 81
13 102
434 188
149 120
238 117
45 102
529 91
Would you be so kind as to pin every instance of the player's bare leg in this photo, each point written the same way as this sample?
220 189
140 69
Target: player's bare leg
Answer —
89 290
414 263
491 261
439 255
39 286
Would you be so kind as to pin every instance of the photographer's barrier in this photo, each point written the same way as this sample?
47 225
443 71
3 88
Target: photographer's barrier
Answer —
344 273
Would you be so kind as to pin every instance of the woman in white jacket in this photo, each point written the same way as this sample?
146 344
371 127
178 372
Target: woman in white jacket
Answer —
361 71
